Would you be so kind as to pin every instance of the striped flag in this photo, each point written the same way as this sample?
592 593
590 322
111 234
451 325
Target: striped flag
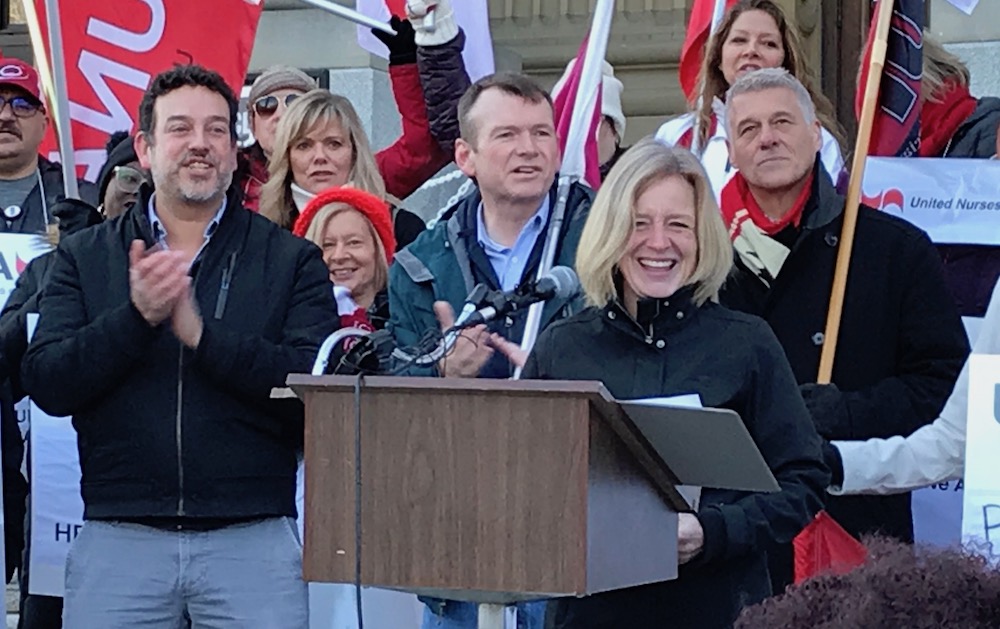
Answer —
698 31
896 130
472 17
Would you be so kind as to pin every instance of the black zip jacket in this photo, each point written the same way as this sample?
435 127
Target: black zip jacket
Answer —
732 361
165 431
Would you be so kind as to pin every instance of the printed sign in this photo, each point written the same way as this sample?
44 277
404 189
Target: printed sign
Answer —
981 507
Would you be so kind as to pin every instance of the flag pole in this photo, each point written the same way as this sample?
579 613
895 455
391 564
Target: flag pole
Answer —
853 201
718 12
574 164
59 99
352 15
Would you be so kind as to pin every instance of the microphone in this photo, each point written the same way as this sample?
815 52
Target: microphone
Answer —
560 282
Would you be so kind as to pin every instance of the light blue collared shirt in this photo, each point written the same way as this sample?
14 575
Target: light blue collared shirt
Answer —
160 232
509 262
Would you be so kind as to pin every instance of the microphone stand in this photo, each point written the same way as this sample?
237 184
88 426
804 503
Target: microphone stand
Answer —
323 355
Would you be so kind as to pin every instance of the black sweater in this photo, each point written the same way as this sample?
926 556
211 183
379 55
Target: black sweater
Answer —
165 431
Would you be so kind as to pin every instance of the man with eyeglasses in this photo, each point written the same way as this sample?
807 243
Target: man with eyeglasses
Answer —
31 188
29 183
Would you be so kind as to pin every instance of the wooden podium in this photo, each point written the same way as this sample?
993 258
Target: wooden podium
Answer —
491 491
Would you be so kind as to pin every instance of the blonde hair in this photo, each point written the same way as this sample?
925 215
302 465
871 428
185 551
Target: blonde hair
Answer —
317 228
940 67
712 83
315 108
612 217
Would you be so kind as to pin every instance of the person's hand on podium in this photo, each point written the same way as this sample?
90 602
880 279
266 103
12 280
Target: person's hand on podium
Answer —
471 350
690 537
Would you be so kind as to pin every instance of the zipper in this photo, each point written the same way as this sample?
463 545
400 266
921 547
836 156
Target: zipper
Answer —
180 445
227 278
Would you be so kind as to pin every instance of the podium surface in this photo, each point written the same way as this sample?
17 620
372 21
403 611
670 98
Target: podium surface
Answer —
491 491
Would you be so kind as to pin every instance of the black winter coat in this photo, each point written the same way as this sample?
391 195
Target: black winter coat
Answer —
901 346
165 431
732 361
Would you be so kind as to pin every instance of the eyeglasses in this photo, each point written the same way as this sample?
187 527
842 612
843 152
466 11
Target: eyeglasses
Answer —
129 179
265 106
21 107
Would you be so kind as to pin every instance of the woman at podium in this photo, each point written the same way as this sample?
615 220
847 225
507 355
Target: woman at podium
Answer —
653 256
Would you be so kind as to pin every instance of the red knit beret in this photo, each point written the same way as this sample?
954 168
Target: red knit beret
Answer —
373 208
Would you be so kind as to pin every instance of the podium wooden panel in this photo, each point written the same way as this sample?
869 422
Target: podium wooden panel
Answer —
483 490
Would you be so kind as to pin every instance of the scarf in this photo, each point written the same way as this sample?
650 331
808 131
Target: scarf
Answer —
351 315
751 230
940 121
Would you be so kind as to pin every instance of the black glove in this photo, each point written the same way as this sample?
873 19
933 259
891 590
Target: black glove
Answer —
828 408
74 215
403 46
833 460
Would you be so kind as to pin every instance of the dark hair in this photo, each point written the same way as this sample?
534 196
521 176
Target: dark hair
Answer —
520 85
184 76
899 586
115 139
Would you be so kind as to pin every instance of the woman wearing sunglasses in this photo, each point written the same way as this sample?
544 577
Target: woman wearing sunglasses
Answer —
426 96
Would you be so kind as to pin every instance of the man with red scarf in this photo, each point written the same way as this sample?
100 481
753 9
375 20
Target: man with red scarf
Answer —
901 343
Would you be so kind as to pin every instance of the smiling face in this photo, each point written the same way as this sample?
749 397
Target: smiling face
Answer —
754 42
190 152
662 250
322 158
770 141
350 253
514 154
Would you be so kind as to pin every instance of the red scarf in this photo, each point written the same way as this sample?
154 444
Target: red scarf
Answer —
940 121
736 196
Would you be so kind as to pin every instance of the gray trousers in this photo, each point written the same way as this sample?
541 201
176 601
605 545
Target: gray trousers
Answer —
129 576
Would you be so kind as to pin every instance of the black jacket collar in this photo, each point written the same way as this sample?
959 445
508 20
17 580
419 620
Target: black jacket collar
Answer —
654 316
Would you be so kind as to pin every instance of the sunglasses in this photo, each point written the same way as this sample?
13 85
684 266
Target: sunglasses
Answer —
265 106
129 179
21 107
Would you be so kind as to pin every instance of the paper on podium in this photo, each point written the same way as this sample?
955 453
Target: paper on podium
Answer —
704 447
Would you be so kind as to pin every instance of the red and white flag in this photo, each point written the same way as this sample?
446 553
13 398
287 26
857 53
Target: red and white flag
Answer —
114 48
564 103
698 31
472 17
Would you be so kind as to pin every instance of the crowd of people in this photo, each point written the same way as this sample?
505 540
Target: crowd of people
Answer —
194 277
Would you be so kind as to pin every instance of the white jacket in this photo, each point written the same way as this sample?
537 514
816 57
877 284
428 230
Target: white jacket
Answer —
715 157
932 454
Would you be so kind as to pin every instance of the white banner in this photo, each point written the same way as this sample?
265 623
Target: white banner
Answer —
981 511
953 200
56 505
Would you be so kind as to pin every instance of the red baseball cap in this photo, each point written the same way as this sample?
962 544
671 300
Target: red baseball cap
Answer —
16 73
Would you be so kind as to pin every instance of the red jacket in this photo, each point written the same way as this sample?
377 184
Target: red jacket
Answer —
405 165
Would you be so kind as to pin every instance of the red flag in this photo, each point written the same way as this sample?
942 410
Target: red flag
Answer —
824 547
896 130
694 44
113 49
563 105
397 7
